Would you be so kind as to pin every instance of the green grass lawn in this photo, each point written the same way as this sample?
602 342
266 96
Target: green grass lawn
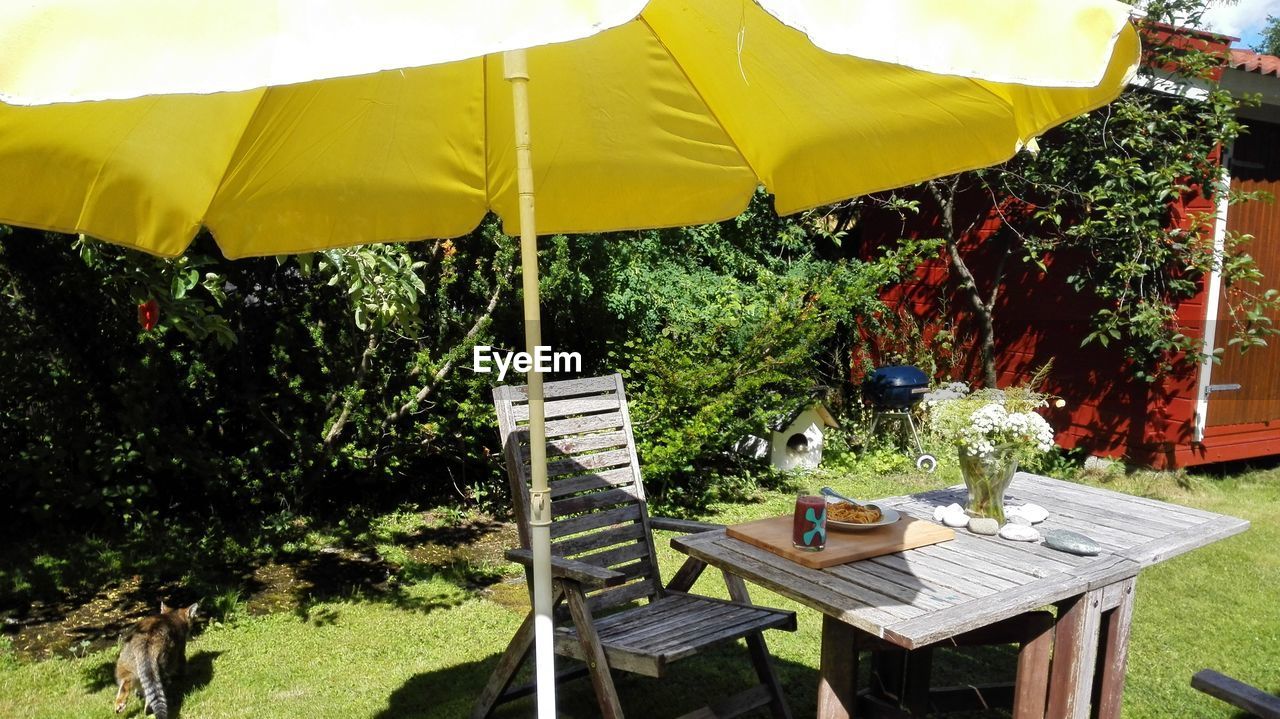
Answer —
427 652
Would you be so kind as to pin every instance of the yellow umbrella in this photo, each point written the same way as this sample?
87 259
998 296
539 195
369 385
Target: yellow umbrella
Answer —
297 125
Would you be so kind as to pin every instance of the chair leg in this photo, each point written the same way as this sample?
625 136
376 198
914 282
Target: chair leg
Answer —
768 675
917 671
888 669
597 663
759 652
510 662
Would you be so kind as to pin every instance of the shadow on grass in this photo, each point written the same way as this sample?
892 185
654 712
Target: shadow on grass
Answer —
100 676
199 674
688 685
87 603
464 555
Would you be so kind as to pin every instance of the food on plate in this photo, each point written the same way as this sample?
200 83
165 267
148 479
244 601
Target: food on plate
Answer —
845 512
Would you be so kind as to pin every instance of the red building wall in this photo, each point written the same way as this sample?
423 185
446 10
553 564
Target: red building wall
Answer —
1039 318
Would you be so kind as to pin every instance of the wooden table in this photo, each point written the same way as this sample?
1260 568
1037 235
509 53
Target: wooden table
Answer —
921 596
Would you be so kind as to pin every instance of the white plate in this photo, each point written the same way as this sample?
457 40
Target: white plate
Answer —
887 516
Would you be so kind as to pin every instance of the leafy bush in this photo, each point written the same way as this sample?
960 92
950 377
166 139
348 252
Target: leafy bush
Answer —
276 394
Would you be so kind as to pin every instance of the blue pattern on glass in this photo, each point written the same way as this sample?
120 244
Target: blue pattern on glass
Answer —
819 526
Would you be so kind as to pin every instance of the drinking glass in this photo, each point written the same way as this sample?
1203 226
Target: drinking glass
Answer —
809 524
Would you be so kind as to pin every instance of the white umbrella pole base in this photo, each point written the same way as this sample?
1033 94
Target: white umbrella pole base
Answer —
544 646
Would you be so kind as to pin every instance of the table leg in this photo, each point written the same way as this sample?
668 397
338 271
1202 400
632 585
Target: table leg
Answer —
1031 688
838 683
1118 605
1090 653
1075 654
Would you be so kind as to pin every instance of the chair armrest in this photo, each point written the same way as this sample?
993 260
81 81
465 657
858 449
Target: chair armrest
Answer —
588 575
1237 693
684 526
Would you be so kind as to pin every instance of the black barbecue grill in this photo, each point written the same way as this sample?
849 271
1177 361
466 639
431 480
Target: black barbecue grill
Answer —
893 392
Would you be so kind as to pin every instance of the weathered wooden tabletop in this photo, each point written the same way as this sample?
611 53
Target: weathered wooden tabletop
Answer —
924 595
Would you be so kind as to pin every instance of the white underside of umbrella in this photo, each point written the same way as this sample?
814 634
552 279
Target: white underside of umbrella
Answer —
166 47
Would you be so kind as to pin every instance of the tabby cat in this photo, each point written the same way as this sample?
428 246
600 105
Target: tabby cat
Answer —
153 649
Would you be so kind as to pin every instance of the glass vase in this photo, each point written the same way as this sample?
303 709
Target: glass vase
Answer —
987 477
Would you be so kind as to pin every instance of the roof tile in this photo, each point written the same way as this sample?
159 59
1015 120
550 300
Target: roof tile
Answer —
1250 61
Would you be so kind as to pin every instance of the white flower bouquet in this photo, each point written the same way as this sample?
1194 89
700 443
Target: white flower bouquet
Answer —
986 421
993 430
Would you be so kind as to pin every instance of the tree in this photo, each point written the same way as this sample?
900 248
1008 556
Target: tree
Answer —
1269 40
1103 186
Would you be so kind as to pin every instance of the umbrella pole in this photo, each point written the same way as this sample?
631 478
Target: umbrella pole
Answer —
516 71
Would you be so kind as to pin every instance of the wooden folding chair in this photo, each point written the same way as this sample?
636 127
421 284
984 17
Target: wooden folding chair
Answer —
620 616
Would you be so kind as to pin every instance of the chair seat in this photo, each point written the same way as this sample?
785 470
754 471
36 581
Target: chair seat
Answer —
644 639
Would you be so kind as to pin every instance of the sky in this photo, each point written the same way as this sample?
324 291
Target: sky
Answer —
1245 19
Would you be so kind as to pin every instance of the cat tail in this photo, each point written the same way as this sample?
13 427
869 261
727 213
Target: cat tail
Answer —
152 689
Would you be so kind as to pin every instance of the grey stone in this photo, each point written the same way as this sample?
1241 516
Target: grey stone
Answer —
984 525
1102 464
1019 533
1064 540
1018 519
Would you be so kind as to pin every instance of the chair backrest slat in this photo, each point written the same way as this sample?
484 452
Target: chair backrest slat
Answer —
581 425
574 444
596 541
610 520
569 388
582 462
597 480
617 556
568 407
599 513
591 501
617 596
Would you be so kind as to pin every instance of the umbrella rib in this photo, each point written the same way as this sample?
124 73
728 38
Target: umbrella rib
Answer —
484 127
226 173
714 115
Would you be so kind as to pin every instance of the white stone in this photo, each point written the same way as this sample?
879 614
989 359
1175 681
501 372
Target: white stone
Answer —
955 519
1033 513
984 525
1019 533
940 511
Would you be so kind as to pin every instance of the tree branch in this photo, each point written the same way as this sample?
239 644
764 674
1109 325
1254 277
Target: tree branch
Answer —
445 368
968 285
349 403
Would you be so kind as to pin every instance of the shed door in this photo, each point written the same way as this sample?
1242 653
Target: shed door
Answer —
1255 165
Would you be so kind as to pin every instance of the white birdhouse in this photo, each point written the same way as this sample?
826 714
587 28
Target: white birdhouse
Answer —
796 440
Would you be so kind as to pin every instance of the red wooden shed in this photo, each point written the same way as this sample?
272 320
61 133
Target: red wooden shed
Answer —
1202 413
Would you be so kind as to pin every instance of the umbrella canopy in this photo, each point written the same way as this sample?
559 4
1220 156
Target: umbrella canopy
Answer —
664 114
298 125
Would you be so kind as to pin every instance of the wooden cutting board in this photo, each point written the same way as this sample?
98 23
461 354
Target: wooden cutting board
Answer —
774 534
